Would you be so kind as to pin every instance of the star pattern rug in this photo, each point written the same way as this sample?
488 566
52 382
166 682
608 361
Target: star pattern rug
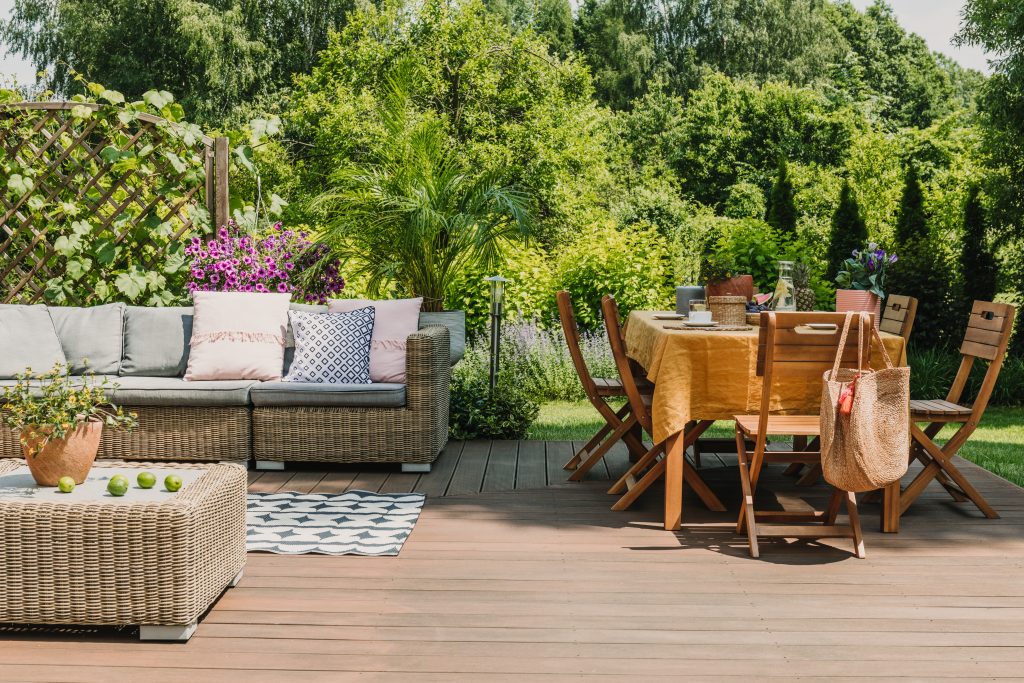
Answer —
350 523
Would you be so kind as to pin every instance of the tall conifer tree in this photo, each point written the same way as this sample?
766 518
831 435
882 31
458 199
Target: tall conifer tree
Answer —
977 263
849 231
781 211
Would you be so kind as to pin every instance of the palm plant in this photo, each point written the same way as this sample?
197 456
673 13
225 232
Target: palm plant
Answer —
411 213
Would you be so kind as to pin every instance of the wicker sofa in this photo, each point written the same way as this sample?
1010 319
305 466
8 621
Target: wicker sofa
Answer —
270 422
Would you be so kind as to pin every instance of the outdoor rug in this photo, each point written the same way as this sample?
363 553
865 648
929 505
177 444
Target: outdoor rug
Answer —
351 523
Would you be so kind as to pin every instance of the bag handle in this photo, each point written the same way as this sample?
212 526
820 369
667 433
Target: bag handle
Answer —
881 345
842 344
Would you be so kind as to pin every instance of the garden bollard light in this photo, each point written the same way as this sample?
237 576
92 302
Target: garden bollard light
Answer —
497 312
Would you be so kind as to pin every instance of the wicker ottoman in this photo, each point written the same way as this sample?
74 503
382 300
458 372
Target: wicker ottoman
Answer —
151 558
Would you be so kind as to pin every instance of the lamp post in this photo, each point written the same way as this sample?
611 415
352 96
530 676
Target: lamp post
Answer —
497 313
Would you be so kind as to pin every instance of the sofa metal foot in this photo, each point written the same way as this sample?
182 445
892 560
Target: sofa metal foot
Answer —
155 632
415 467
269 465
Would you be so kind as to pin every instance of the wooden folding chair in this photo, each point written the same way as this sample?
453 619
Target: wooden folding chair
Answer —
620 425
651 465
988 334
789 349
898 315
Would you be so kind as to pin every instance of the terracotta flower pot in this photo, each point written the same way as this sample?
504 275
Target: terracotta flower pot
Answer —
741 285
72 456
860 301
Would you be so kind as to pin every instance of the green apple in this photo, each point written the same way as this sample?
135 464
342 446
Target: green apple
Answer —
66 484
146 480
118 485
172 483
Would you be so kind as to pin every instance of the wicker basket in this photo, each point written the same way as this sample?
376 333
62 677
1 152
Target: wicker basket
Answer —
728 310
754 319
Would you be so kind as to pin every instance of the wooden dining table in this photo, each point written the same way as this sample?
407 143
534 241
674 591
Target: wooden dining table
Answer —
704 375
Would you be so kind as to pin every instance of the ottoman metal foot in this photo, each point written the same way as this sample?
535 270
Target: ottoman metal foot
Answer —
155 632
415 467
269 465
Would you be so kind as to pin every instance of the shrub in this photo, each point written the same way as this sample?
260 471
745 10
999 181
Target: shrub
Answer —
529 292
634 264
932 371
476 413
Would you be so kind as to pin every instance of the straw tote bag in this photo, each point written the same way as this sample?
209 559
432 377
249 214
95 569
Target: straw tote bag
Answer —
865 420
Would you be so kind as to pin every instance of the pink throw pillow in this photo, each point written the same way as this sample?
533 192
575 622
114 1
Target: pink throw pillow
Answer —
394 320
237 335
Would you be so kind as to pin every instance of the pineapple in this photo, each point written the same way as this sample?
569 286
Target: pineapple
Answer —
802 292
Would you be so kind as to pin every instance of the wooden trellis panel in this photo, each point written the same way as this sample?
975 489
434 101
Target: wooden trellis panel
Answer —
67 152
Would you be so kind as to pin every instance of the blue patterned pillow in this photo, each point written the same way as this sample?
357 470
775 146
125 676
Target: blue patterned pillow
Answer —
331 348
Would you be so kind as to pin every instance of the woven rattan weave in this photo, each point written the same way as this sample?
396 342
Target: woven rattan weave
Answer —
128 563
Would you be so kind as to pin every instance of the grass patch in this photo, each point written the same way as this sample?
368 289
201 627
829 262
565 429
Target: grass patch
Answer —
997 445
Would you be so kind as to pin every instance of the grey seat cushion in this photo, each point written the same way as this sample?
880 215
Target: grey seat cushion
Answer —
27 340
455 321
94 334
281 394
156 341
175 391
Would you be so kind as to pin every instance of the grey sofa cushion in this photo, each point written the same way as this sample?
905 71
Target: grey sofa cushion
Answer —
156 341
175 391
94 334
27 340
34 385
455 321
281 394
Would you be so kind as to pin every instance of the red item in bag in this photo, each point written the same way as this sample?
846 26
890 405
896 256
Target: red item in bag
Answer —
846 398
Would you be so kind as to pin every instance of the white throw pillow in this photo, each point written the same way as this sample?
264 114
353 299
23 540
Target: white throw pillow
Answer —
394 321
237 335
331 348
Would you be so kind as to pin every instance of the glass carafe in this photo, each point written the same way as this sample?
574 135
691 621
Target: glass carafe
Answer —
784 299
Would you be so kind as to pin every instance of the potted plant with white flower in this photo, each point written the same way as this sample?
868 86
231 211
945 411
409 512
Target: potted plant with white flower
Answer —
59 420
861 281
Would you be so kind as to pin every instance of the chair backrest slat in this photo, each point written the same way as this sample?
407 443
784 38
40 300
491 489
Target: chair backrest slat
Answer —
572 340
899 314
988 334
797 350
610 309
988 330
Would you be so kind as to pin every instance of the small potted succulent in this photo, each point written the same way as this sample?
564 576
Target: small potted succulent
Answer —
721 278
861 281
59 420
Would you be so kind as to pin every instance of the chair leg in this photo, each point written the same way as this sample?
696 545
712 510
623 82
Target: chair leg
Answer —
944 461
652 475
854 515
623 483
747 520
593 458
583 452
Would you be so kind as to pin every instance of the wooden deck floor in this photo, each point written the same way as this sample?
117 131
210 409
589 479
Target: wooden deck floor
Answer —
507 578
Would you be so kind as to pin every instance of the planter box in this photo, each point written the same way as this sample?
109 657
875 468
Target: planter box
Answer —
858 300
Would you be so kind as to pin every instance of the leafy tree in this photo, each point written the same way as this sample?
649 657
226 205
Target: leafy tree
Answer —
412 212
215 53
977 262
781 210
504 103
849 231
905 83
550 20
912 222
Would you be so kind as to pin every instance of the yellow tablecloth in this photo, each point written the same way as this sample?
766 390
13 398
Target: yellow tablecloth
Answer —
709 375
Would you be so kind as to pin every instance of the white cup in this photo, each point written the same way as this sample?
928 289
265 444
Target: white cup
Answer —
700 316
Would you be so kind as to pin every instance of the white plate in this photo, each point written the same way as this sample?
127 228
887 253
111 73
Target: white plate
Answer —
669 316
823 326
692 323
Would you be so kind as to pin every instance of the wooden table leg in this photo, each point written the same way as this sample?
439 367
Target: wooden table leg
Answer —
675 451
891 508
675 459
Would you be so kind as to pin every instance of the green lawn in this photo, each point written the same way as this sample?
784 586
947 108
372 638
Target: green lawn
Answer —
998 445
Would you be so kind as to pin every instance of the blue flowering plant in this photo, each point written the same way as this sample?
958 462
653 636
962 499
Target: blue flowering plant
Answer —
866 270
281 260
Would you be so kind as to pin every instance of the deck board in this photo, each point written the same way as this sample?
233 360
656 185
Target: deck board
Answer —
546 583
